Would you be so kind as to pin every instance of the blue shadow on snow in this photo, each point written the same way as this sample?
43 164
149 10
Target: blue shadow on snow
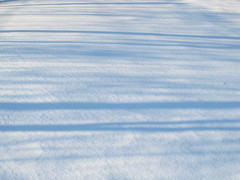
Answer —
122 33
12 106
167 126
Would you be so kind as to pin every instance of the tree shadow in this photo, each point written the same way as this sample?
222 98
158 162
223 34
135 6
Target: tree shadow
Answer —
123 33
162 43
4 1
103 3
12 106
164 126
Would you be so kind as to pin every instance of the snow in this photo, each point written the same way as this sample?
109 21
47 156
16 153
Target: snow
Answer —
119 89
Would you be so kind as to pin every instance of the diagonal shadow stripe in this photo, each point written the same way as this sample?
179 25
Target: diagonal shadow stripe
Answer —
12 106
205 125
122 33
99 3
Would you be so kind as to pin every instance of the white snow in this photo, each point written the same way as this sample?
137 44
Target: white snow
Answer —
119 89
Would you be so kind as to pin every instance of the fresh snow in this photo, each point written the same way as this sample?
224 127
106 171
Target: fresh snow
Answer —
130 89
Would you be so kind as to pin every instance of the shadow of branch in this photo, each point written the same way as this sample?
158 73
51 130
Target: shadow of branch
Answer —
118 106
171 126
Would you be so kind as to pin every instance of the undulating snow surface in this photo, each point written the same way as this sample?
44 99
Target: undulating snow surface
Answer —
119 89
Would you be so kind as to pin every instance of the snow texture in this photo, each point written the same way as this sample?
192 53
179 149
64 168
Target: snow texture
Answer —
119 89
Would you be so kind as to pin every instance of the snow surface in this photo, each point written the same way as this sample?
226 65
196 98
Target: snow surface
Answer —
130 89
